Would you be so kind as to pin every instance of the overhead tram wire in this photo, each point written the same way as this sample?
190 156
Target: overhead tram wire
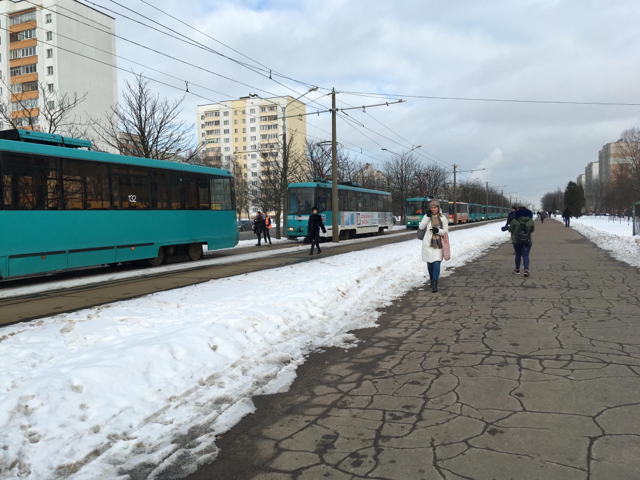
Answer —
499 100
275 72
158 52
362 150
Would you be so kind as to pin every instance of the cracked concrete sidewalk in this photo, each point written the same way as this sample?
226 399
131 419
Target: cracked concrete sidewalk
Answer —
495 377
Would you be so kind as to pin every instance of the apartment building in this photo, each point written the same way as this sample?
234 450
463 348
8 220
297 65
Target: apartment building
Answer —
581 180
53 48
610 157
248 131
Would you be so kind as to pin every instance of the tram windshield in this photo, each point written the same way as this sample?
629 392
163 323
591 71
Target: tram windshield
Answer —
415 208
300 201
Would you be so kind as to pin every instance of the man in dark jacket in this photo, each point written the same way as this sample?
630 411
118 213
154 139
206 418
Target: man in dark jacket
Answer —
522 222
258 226
566 215
313 229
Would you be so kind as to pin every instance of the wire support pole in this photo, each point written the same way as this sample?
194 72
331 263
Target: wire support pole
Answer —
455 198
334 171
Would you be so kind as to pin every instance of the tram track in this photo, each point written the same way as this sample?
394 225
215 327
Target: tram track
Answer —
30 306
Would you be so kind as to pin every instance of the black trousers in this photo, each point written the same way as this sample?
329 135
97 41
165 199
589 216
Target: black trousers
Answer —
267 235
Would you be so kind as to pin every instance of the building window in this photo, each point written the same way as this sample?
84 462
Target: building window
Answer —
49 36
235 112
254 174
23 18
244 139
50 70
244 120
203 134
236 131
253 110
47 18
226 140
22 53
24 35
227 149
244 130
252 120
253 129
253 139
253 155
23 70
226 114
235 122
26 104
201 117
49 52
226 131
226 122
51 104
50 87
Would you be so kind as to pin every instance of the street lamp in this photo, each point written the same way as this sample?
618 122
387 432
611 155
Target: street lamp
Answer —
285 156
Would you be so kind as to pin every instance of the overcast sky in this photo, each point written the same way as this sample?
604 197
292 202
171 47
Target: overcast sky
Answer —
582 51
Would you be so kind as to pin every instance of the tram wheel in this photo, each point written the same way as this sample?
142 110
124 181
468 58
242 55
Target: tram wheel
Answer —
347 234
157 261
195 251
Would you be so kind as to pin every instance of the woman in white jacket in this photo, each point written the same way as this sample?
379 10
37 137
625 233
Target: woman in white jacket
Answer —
436 225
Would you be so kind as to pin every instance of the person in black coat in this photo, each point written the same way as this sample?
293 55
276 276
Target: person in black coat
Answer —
509 220
313 229
258 226
566 215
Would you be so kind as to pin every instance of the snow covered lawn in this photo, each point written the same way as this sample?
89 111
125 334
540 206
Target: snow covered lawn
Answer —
144 386
613 236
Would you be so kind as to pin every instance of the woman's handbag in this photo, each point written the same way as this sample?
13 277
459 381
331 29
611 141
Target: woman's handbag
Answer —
446 247
420 233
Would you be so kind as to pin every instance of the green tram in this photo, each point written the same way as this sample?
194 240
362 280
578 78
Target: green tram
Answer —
467 212
63 207
416 209
361 211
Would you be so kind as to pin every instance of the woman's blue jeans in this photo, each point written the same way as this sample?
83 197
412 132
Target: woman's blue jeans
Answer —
522 253
434 270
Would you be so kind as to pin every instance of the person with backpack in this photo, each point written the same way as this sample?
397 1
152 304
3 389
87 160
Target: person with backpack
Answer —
566 215
436 226
521 228
509 220
313 229
267 226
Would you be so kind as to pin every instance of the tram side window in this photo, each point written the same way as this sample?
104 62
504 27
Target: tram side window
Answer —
198 193
130 187
323 199
85 185
343 200
355 201
221 194
366 202
30 182
160 189
176 191
376 203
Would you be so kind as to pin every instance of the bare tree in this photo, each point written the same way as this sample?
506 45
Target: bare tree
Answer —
49 111
144 125
280 165
432 180
630 150
241 190
401 172
595 191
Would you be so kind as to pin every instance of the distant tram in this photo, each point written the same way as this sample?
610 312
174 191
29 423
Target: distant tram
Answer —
62 207
360 210
417 207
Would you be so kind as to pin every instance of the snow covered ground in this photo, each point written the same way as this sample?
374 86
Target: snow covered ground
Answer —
143 387
612 235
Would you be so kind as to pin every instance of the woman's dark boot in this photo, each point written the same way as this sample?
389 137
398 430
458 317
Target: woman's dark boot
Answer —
431 283
319 251
311 252
434 286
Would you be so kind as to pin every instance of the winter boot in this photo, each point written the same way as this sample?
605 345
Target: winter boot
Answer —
319 251
434 286
311 252
431 283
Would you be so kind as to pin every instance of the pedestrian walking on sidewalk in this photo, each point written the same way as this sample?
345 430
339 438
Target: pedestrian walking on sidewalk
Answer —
436 226
313 229
267 225
521 229
566 215
258 226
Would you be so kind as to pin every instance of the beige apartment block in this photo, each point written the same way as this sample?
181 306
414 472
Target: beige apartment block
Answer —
612 155
49 48
249 131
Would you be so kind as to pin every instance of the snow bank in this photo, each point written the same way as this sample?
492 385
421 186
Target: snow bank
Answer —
613 236
142 387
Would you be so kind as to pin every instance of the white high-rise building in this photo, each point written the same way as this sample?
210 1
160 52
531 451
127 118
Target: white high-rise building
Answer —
51 49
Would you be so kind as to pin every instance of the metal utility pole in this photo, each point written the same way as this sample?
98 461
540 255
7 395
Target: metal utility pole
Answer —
455 198
487 183
334 171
